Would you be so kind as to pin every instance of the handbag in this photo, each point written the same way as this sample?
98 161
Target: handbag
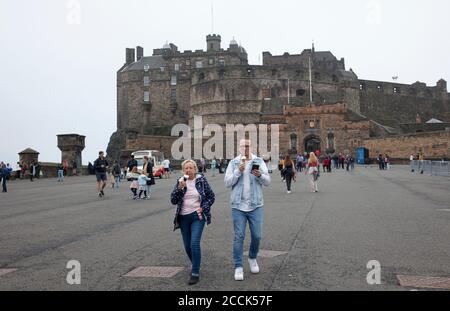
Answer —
176 223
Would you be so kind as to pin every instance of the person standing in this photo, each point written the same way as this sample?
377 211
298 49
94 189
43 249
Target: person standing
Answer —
32 170
313 171
194 198
100 167
18 168
411 163
133 176
131 163
289 172
245 175
74 168
213 167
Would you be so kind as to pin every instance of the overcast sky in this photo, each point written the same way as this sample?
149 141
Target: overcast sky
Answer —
59 57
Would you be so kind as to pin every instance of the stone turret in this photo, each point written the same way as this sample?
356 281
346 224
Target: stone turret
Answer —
71 146
213 43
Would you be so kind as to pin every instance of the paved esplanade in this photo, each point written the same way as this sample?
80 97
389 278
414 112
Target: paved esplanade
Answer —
398 218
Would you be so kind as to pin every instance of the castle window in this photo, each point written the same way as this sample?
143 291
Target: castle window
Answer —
188 62
249 70
162 68
211 46
146 80
201 76
221 73
199 64
146 96
335 78
274 72
379 88
362 87
173 80
177 67
300 92
293 141
173 94
266 93
211 61
396 90
221 62
146 67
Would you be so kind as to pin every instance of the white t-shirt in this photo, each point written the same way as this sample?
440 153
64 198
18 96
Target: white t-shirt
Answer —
166 163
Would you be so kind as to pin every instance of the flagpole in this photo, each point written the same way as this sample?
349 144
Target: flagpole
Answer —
310 81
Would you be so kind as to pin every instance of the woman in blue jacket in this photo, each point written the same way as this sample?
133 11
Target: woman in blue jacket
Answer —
194 198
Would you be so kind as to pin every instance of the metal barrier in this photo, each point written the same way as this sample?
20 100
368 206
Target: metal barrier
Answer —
433 168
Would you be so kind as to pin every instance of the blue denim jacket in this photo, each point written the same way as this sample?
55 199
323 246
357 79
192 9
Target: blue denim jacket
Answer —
235 180
207 198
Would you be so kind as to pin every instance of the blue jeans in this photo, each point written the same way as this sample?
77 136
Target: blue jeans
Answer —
117 181
60 175
255 221
4 184
191 231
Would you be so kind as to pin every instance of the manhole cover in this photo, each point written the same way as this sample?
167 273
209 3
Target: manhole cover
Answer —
424 281
267 253
154 272
6 271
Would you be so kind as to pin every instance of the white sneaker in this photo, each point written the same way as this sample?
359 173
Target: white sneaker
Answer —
239 274
253 265
289 192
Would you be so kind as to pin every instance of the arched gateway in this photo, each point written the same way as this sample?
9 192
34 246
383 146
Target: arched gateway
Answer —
312 143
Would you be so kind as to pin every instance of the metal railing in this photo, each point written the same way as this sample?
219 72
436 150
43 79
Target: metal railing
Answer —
433 168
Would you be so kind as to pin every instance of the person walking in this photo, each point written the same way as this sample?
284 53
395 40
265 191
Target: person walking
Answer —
148 171
289 173
245 175
74 168
60 170
116 173
411 163
100 167
133 176
313 171
193 197
3 176
421 162
166 166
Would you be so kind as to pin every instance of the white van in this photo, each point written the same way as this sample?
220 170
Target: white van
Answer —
154 155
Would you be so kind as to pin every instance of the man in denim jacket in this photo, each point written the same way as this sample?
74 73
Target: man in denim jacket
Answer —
246 174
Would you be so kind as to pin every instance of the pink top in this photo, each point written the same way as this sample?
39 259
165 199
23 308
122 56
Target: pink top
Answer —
191 201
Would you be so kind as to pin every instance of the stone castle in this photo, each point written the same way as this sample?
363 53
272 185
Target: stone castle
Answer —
336 112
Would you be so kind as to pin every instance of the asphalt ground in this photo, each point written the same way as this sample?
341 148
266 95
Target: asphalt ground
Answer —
398 218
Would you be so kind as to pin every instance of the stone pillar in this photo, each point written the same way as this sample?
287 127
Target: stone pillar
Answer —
28 155
71 146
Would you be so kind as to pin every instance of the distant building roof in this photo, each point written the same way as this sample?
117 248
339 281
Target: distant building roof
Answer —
154 62
29 150
433 120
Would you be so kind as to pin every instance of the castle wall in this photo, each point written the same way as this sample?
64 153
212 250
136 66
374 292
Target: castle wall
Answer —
433 145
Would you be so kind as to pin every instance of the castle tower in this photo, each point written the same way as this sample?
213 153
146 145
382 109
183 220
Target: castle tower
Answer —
213 43
71 146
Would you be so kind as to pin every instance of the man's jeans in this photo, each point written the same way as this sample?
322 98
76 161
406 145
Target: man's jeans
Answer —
255 220
60 175
191 231
117 181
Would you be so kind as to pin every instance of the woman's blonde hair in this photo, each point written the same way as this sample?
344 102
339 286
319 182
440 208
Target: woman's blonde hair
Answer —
189 161
312 158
